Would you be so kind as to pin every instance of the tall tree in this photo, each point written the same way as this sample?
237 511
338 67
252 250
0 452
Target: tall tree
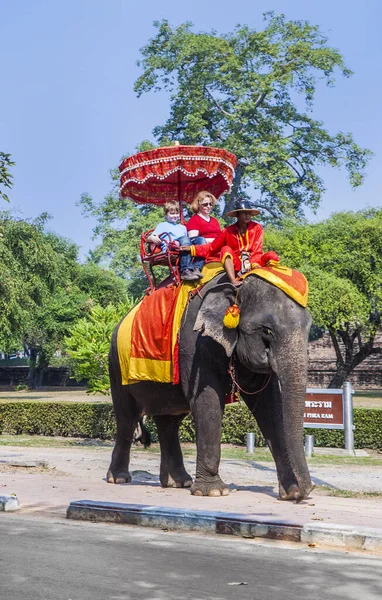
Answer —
5 175
342 258
252 92
45 290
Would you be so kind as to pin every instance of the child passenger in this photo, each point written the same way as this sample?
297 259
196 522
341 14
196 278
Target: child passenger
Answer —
172 231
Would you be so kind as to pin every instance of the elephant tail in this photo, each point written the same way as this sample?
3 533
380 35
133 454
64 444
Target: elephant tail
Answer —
144 436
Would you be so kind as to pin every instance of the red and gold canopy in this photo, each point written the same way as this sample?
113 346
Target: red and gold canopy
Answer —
176 173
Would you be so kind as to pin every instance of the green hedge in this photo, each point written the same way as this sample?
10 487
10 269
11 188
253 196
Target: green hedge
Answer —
91 420
74 419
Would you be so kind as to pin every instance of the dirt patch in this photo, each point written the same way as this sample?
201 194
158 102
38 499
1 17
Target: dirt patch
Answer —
19 469
50 395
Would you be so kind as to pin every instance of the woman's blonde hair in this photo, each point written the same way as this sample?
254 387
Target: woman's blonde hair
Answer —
197 201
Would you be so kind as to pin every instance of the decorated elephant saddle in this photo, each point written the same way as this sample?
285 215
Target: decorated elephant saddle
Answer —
292 282
148 336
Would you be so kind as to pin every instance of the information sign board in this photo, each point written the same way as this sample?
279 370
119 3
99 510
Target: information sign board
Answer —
324 409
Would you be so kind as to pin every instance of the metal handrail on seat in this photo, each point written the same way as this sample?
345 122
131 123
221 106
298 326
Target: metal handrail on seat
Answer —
152 256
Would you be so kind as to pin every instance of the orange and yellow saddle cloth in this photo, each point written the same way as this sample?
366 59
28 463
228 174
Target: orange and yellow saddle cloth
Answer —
148 336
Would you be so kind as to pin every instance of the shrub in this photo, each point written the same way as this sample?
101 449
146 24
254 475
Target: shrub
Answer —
88 345
74 419
87 419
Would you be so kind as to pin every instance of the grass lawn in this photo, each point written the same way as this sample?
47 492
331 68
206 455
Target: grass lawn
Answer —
228 451
361 399
367 399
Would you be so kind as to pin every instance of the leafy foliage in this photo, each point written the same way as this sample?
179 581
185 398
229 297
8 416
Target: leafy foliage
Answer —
5 175
96 420
120 225
44 290
88 345
252 92
74 419
342 258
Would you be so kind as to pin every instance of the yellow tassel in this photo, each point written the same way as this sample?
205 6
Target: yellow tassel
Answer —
232 316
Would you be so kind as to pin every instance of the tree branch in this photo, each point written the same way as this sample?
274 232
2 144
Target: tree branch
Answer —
300 177
227 114
376 351
260 100
340 360
258 205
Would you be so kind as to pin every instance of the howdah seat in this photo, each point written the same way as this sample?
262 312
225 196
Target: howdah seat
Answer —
152 256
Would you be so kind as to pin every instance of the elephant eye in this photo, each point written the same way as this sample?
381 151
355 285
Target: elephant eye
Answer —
267 331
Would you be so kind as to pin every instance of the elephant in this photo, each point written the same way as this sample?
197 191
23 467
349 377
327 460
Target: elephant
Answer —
268 349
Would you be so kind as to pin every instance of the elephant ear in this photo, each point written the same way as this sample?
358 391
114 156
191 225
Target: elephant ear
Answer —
211 314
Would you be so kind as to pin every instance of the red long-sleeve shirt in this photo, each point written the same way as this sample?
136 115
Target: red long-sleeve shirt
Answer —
230 242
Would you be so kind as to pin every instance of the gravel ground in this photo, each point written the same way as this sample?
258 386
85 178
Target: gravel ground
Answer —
236 472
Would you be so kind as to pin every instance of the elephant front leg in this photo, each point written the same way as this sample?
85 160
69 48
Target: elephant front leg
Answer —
208 412
172 471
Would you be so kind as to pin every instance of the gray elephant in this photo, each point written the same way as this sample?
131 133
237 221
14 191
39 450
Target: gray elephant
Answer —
269 344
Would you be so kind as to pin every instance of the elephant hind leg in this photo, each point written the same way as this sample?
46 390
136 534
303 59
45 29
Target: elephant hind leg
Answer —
172 470
118 471
127 417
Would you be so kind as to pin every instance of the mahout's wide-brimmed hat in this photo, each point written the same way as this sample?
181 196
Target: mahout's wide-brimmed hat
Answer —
242 205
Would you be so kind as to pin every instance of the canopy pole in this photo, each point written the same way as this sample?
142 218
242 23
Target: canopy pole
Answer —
180 200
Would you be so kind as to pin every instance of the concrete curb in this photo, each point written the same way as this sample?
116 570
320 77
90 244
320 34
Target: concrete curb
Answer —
343 536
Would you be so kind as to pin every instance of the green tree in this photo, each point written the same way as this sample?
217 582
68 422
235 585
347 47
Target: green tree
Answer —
88 345
342 259
120 224
5 175
45 290
252 92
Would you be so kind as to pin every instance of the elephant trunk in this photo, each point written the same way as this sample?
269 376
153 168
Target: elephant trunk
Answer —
290 393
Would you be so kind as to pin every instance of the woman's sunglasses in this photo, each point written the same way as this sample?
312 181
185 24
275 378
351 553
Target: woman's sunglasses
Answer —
206 204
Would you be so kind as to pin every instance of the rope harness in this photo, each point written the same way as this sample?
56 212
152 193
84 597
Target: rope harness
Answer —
236 386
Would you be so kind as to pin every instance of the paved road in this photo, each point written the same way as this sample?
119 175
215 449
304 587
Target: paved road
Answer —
60 560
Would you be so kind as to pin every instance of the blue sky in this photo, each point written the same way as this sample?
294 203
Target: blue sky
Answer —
68 110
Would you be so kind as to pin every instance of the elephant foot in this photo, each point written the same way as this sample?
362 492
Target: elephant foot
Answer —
117 476
295 493
212 489
181 480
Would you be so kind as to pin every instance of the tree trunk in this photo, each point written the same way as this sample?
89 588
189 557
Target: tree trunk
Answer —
43 363
339 377
33 353
348 360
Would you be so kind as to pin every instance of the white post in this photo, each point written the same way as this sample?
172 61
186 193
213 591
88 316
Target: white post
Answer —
309 445
250 443
347 398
